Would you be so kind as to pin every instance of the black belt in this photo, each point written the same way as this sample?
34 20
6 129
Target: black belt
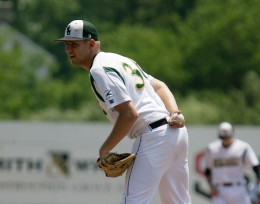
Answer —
231 184
158 123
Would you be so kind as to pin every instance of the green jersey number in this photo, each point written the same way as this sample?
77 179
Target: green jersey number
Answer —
135 72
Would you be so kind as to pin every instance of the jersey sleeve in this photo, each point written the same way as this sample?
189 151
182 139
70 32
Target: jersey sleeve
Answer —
250 158
109 83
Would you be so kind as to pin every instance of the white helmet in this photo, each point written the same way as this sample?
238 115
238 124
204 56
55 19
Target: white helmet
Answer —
225 130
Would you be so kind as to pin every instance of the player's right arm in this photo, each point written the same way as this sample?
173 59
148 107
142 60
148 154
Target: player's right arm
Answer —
208 172
127 115
213 189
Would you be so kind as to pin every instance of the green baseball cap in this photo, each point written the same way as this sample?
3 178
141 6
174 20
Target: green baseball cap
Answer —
79 30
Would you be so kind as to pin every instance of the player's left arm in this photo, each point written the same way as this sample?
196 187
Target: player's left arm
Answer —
126 119
254 191
165 94
167 98
256 169
250 158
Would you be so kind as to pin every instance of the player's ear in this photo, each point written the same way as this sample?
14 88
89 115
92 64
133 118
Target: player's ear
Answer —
92 43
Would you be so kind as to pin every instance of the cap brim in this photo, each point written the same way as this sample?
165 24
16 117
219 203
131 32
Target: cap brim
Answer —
69 39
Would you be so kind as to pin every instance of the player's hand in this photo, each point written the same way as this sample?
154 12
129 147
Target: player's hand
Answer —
103 154
175 121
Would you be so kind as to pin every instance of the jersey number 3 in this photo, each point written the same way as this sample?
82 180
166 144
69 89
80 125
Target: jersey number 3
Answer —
135 72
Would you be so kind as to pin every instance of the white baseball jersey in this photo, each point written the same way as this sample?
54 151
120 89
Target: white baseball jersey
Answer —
161 152
227 164
116 79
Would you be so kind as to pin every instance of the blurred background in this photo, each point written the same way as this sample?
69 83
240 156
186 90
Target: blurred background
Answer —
51 127
208 52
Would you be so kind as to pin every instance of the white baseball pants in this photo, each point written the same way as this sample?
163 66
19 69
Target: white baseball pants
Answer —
232 194
161 163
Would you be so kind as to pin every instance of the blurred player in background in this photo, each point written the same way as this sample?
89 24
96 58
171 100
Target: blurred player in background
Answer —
226 160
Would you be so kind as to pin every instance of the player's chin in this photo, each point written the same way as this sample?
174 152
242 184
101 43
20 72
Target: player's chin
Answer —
74 64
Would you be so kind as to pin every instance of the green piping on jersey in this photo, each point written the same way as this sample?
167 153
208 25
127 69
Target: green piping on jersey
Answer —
94 88
110 69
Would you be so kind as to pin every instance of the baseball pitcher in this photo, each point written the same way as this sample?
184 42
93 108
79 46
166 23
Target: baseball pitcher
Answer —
141 107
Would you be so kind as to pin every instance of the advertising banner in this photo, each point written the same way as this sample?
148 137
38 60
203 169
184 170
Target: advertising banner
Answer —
55 163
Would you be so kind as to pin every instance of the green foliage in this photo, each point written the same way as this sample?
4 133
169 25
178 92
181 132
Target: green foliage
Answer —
251 88
222 38
88 111
208 52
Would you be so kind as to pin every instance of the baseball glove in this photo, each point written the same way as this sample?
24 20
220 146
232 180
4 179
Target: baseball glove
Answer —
115 164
